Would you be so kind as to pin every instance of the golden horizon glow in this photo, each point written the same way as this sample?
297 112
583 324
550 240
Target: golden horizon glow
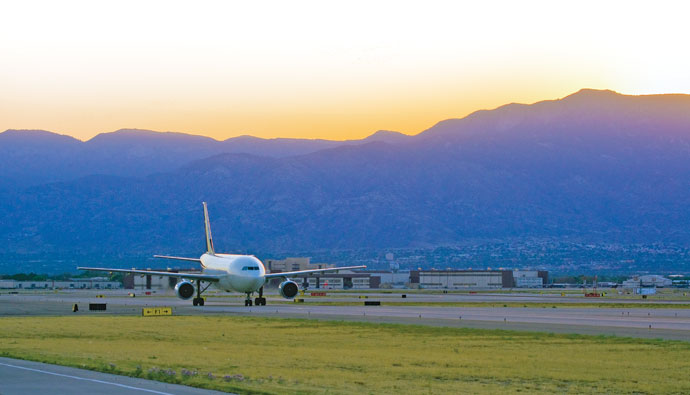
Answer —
314 70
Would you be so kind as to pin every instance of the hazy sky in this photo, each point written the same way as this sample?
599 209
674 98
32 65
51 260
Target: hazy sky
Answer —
319 69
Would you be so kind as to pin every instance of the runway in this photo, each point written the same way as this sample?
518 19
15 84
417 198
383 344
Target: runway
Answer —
667 322
27 378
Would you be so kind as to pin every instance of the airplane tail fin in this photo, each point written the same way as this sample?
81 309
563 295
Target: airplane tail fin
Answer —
209 239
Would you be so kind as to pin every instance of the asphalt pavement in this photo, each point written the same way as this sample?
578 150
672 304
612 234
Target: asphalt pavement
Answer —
661 322
27 378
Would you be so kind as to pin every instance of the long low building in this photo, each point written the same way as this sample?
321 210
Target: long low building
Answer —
388 278
61 284
430 279
454 279
145 282
340 281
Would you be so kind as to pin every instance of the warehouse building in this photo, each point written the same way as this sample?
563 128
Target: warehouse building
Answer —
491 279
148 282
651 280
388 278
655 280
339 281
530 278
81 283
293 264
439 279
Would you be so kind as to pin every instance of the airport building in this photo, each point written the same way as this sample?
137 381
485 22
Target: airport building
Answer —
458 279
530 278
339 281
648 281
655 280
293 264
148 282
440 279
80 283
389 279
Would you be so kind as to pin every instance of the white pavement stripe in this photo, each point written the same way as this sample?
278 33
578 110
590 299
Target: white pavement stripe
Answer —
85 379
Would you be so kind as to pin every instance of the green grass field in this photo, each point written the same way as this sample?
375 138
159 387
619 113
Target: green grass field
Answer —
262 355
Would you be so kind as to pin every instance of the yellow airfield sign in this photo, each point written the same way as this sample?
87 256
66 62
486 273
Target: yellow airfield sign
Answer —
156 311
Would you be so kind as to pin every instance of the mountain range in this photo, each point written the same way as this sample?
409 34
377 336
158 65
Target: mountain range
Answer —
33 157
595 165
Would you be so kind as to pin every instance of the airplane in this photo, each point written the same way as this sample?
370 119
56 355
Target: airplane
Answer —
228 272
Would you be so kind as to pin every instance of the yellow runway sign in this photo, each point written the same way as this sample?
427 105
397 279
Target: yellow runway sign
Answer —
156 311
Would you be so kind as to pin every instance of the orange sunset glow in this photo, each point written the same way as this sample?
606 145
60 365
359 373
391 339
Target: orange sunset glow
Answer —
313 69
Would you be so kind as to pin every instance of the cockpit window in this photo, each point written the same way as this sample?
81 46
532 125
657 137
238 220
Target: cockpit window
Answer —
250 268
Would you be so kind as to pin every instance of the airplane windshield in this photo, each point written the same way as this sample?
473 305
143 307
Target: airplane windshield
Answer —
250 268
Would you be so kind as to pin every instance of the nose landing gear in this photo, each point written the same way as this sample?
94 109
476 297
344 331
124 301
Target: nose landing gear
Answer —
260 301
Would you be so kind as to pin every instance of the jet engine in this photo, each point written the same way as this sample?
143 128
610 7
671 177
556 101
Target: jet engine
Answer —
288 289
184 289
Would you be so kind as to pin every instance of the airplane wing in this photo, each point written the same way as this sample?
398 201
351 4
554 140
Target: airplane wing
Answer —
190 276
179 258
311 271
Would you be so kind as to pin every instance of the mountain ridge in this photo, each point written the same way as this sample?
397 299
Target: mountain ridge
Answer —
135 152
615 169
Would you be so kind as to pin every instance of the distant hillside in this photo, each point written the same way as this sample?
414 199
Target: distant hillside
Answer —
595 165
33 157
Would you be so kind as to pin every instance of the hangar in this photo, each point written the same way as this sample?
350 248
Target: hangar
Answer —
454 279
77 283
341 281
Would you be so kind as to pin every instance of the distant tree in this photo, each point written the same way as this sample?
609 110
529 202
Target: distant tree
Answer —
28 277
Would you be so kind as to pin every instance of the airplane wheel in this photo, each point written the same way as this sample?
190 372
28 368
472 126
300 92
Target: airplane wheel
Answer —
195 302
263 301
201 301
257 301
246 302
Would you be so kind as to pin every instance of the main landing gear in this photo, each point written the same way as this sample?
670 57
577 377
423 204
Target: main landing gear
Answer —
199 301
260 301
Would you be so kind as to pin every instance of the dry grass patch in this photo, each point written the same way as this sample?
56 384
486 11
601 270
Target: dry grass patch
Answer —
268 355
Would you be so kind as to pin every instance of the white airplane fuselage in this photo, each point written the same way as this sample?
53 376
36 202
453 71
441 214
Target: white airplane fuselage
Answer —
239 273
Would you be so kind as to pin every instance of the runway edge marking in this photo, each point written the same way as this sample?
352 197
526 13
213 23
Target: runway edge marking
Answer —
85 379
